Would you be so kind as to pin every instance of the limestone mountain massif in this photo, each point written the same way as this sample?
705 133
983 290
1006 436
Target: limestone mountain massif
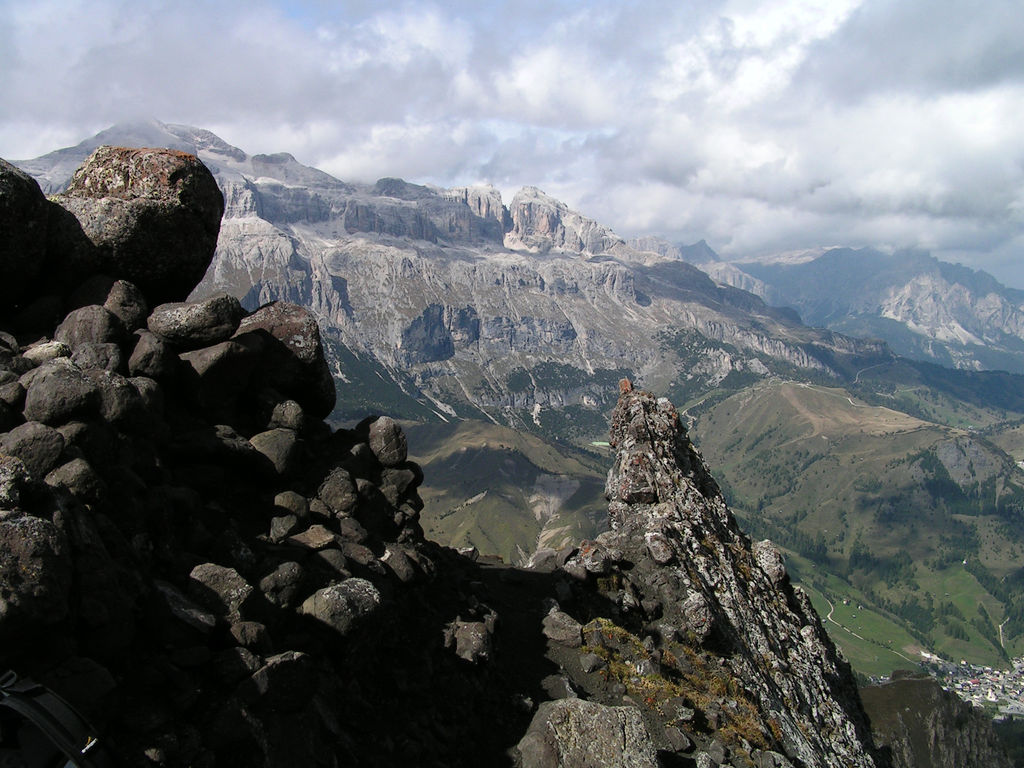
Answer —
472 307
215 576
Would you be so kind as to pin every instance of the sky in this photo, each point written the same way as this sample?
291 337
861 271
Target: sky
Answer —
762 126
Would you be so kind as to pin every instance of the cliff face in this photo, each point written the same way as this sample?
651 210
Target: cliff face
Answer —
926 727
539 222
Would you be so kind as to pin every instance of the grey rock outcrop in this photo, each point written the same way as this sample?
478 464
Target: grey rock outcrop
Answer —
692 597
572 733
198 324
541 222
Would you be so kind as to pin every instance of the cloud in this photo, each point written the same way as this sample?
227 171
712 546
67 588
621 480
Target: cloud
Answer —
760 125
920 47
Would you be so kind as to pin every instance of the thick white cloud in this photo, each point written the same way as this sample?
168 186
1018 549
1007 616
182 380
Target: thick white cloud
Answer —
761 125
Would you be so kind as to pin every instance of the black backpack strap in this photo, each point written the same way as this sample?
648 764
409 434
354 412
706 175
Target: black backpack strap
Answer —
55 719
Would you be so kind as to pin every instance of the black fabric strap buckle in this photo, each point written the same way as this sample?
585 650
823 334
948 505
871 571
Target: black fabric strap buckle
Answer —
66 738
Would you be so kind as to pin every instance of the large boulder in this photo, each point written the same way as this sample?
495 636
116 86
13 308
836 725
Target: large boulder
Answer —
126 301
23 216
387 441
220 590
573 733
343 606
38 446
59 392
91 324
197 324
35 578
295 365
149 216
152 357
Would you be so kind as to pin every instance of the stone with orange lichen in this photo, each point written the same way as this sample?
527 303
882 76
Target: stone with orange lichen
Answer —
149 216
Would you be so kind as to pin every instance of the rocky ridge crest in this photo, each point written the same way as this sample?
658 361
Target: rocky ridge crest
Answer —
710 609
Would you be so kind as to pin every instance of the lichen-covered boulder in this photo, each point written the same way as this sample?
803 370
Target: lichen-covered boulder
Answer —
343 606
149 216
197 324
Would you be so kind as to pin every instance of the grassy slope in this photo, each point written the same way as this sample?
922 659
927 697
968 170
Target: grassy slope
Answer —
503 491
824 474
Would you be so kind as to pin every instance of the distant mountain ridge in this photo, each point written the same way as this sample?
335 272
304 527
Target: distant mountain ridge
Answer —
922 307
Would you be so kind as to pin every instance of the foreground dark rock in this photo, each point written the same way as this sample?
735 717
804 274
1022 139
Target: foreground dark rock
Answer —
149 217
23 218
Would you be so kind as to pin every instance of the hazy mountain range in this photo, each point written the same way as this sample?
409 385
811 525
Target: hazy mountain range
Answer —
922 307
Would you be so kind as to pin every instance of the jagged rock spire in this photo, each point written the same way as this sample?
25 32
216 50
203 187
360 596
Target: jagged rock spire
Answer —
697 579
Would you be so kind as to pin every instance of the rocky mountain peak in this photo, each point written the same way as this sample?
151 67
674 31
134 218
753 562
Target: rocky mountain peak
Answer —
483 201
688 578
542 223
